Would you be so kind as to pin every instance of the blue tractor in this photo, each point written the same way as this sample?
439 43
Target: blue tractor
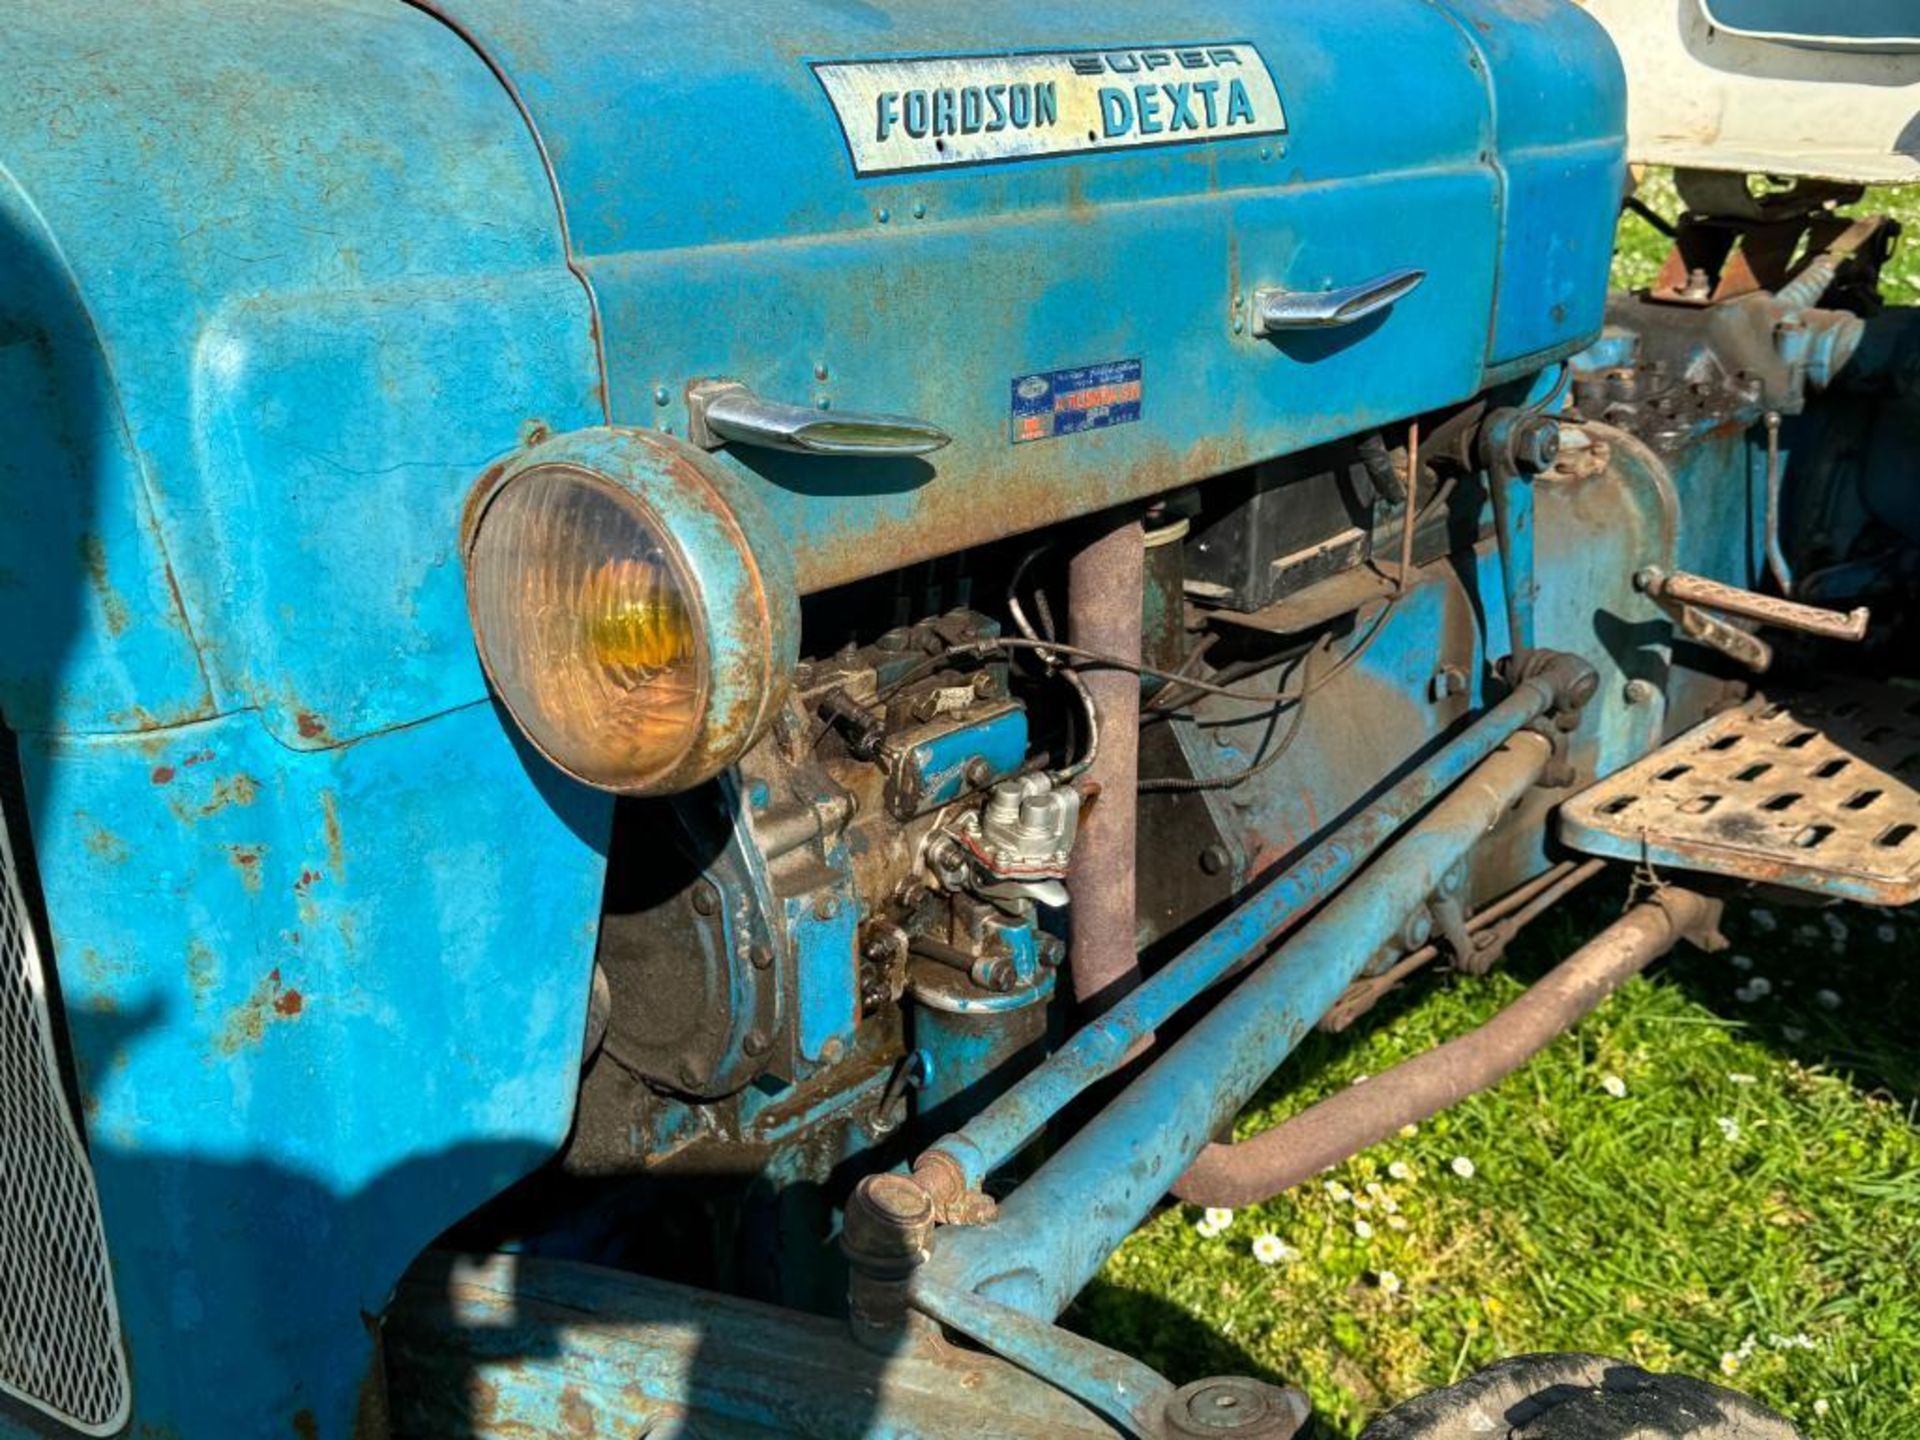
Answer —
692 694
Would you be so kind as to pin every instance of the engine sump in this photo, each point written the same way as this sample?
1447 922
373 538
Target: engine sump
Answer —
1814 791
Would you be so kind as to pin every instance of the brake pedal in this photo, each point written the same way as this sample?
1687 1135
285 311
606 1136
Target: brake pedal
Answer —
1815 792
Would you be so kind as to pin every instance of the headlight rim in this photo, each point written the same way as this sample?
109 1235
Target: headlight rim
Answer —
722 544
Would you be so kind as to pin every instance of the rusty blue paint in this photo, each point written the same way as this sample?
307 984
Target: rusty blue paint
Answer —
276 285
280 282
1059 1226
994 1136
688 283
1556 246
275 947
497 1348
934 771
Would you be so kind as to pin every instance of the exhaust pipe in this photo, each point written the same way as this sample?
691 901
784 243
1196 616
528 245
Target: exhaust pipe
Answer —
1343 1125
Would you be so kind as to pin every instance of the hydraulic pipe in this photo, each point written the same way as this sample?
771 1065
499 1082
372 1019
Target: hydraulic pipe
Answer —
1105 591
1343 1125
1059 1227
960 1161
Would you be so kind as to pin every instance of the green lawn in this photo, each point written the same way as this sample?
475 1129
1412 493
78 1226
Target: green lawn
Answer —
1718 1173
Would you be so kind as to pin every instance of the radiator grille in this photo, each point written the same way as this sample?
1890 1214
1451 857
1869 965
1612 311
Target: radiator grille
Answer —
59 1330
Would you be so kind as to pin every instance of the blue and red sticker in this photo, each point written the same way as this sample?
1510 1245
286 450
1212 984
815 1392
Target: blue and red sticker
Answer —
1068 402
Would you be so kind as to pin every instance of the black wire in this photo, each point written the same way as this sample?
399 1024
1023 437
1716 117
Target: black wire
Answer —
1311 685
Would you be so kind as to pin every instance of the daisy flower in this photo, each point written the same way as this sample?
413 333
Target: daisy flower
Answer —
1271 1250
1461 1166
1614 1086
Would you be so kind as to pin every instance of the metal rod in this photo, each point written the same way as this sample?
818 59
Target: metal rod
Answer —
1059 1227
1503 920
1513 530
1106 582
1410 511
1776 557
1130 1394
1346 1123
998 1132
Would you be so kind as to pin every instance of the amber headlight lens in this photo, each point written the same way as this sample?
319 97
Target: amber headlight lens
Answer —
637 655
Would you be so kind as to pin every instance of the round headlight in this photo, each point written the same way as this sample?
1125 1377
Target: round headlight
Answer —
632 606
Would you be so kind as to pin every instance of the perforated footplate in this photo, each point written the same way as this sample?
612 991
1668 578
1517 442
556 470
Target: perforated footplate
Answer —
1813 791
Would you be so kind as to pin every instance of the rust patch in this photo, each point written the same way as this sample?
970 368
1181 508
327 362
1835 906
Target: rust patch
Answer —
576 1414
246 859
198 759
239 789
93 557
267 1004
305 1426
310 726
336 849
163 774
203 971
103 844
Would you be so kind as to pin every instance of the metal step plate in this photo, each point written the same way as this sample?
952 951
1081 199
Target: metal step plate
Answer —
1812 791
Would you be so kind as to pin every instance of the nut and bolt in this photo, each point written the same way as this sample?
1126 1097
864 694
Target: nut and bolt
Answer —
706 899
761 957
1214 859
826 906
1448 681
1641 692
978 772
756 1043
1536 444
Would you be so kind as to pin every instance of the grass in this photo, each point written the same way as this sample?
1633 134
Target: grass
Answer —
1748 1210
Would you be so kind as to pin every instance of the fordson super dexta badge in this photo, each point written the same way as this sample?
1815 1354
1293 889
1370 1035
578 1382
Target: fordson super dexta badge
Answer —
928 112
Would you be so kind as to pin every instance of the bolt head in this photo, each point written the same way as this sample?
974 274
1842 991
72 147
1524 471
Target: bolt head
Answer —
1537 444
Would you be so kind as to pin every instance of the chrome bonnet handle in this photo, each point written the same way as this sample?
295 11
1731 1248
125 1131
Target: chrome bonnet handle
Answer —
1276 309
721 412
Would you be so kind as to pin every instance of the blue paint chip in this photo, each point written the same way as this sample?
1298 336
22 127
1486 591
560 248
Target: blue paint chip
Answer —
1066 402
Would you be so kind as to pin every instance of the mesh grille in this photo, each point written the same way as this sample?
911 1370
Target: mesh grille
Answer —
59 1330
